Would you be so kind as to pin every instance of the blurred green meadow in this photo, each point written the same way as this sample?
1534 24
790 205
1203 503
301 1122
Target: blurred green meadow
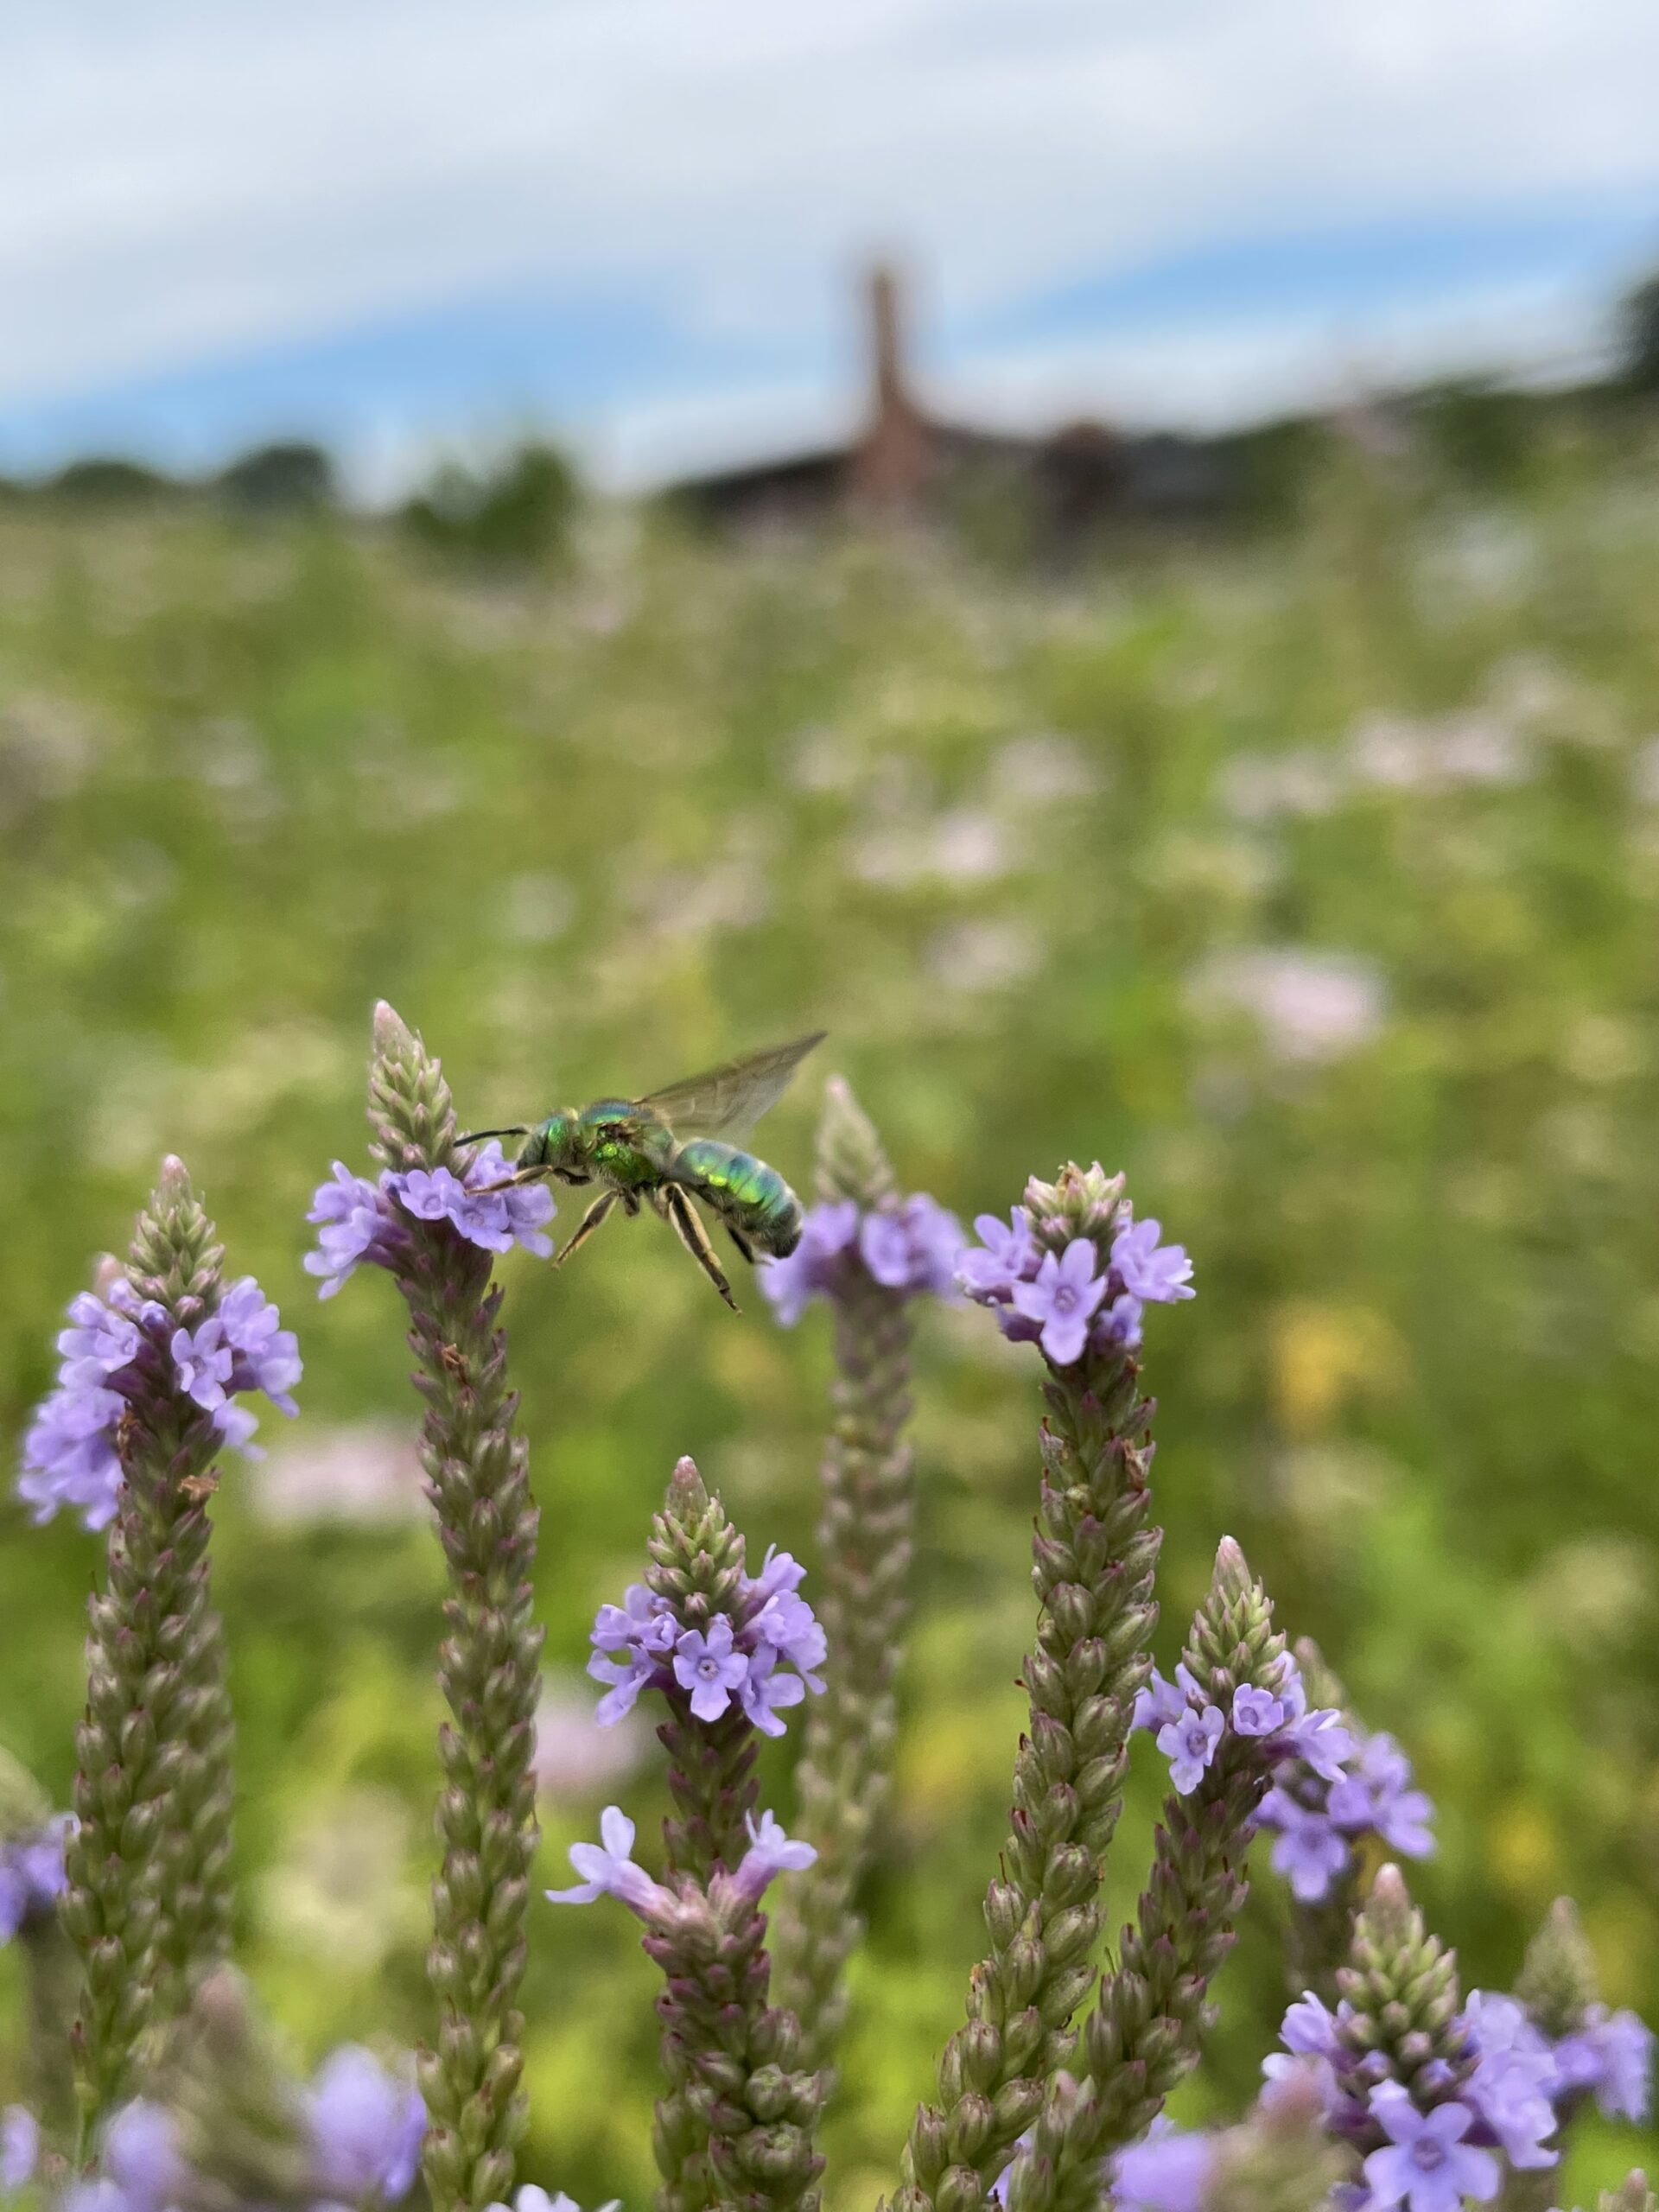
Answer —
1313 880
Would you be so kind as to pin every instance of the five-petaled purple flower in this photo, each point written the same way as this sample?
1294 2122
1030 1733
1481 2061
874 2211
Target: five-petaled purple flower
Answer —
1063 1297
1425 2165
1189 1744
1158 1273
710 1667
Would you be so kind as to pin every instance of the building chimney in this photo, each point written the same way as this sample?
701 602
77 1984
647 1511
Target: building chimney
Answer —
895 459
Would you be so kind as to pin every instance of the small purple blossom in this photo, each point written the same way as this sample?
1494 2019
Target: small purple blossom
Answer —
1256 1712
32 1874
765 1665
1190 1743
362 1222
710 1667
366 2126
1157 1274
763 1689
357 1225
98 1342
625 1678
1063 1299
788 1625
1006 1254
1117 1326
1168 2172
1161 1703
607 1869
914 1248
20 2148
70 1457
1425 2165
142 2156
1306 1850
770 1852
1611 2057
1309 2028
911 1247
204 1363
642 1619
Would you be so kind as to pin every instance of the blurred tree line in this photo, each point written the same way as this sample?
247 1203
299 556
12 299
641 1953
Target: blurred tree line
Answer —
1481 434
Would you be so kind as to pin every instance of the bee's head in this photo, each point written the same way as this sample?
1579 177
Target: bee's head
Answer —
554 1144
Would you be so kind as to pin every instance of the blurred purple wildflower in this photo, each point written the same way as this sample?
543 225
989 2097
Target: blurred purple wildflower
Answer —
1610 2056
366 2126
912 1247
1168 2172
20 2147
32 1875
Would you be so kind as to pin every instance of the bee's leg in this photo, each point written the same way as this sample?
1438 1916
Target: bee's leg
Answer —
630 1203
588 1223
742 1242
678 1209
515 1182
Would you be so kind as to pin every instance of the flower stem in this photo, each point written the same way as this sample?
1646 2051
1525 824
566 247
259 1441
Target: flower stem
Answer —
866 1544
1093 1556
148 1899
489 1658
1144 2033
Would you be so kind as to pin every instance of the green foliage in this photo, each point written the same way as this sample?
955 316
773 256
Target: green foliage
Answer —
590 831
519 512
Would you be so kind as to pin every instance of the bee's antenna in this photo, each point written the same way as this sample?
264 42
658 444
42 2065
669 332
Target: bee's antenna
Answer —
477 1136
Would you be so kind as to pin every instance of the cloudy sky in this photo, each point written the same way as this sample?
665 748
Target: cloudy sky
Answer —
391 223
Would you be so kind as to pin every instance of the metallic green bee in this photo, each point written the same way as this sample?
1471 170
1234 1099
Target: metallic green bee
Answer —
633 1148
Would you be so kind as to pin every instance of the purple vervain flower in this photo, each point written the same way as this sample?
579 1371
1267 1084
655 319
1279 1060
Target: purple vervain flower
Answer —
910 1247
1157 1274
607 1869
770 1852
32 1875
763 1689
1256 1712
1190 1743
366 2126
1309 2028
1306 1850
641 1643
361 1221
1611 2055
1007 1254
1063 1297
356 1225
914 1248
142 2156
710 1667
20 2147
70 1457
1168 2172
1425 2165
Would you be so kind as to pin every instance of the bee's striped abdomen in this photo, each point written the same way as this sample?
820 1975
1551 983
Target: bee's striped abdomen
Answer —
754 1197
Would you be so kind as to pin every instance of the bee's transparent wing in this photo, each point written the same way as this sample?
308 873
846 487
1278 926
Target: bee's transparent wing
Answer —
728 1100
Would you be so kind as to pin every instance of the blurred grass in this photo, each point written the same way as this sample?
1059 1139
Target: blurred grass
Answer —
1009 841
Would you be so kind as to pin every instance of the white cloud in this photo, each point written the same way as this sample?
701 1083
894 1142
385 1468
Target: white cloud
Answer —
204 178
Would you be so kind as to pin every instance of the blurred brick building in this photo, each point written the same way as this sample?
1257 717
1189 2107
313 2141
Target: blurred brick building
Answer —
910 465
